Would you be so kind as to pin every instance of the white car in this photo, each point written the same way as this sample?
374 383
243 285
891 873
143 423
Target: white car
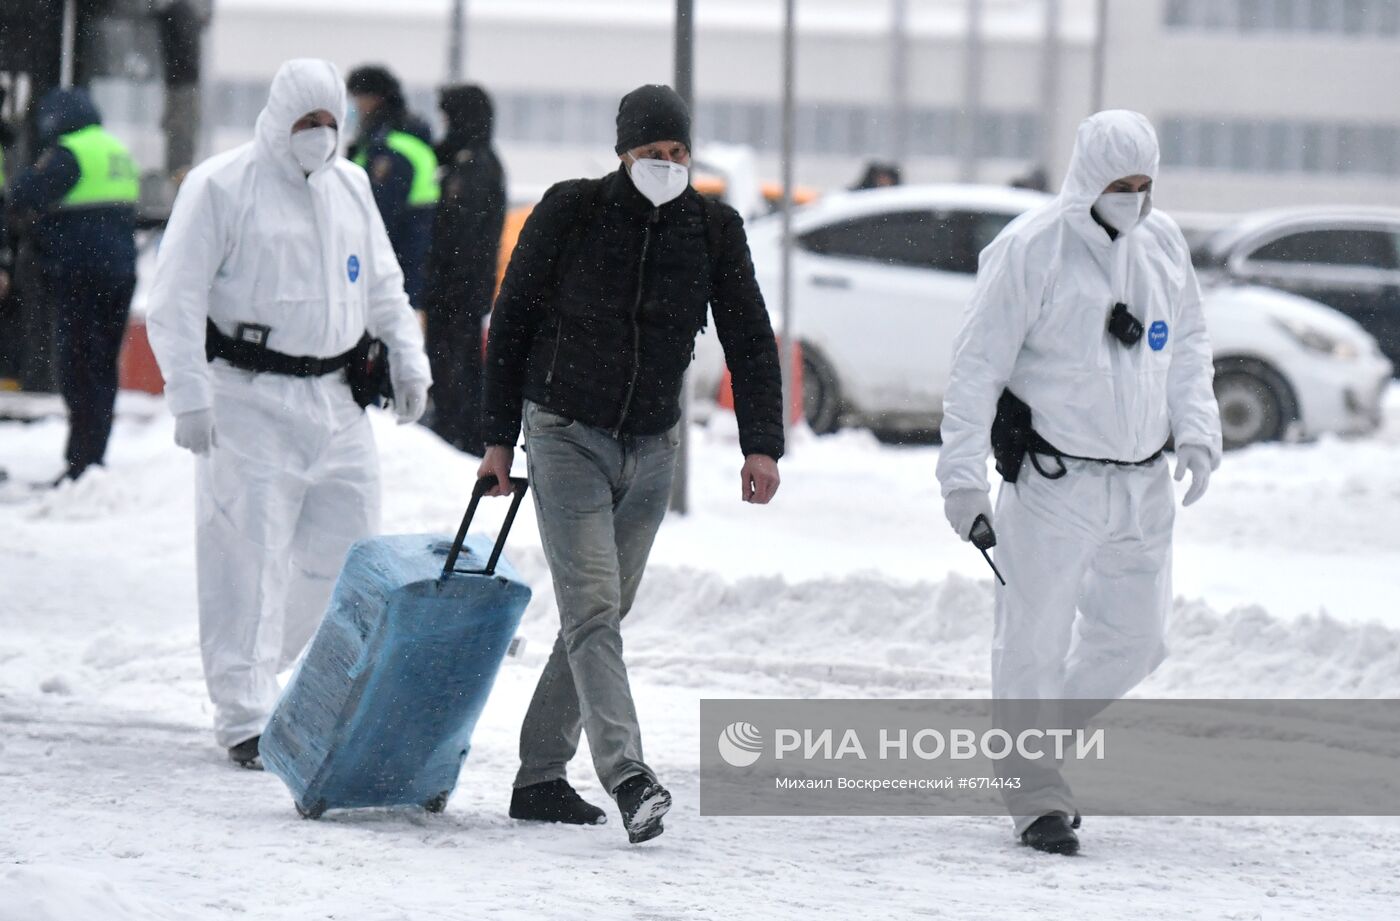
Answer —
881 279
1286 366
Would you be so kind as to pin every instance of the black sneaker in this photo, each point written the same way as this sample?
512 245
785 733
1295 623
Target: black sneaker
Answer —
642 802
1052 834
554 801
245 754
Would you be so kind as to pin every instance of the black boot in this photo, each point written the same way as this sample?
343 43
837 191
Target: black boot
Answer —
554 801
1052 834
642 802
245 754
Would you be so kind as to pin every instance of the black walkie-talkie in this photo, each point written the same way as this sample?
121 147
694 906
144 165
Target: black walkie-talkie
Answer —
984 539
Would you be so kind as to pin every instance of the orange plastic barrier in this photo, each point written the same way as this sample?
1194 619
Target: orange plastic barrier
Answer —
725 397
136 365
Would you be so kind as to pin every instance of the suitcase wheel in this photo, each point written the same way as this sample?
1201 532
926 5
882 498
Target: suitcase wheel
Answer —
438 803
314 811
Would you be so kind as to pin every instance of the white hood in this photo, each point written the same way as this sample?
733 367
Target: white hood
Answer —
301 86
1110 146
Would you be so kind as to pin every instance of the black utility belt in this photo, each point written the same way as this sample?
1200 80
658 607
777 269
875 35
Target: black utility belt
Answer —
1039 448
1013 439
247 350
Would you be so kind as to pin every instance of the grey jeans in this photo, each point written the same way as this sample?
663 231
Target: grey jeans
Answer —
599 501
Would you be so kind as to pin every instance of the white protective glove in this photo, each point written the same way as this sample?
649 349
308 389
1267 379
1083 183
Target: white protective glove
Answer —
1197 460
410 401
963 506
194 430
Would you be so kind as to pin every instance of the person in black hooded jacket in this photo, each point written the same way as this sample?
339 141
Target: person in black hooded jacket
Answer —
462 265
593 329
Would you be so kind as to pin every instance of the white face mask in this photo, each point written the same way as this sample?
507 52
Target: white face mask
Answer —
659 180
313 147
1123 210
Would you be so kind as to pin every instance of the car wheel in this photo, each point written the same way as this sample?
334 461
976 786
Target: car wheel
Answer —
821 394
1256 404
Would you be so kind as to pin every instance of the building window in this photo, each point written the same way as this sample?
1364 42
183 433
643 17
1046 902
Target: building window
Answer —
1276 146
1255 15
1178 13
1356 18
1387 14
822 129
1314 148
1283 148
844 130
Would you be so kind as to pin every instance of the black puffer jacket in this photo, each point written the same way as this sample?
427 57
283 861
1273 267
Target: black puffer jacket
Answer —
601 304
471 212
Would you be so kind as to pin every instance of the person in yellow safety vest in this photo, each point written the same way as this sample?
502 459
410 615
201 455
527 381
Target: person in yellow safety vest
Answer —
78 205
395 148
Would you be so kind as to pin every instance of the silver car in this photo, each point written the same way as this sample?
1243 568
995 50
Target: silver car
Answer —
1347 258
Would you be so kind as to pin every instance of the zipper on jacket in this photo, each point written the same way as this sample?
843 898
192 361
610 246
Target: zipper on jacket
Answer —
637 323
554 362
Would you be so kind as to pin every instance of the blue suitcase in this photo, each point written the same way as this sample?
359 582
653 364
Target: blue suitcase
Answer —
381 710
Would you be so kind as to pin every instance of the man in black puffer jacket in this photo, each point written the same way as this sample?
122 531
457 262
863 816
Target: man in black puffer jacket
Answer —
593 329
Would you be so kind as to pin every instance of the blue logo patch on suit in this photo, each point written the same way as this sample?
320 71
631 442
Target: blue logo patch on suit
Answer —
352 268
1157 335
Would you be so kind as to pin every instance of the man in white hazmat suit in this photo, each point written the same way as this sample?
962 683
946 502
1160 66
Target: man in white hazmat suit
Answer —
276 260
1088 312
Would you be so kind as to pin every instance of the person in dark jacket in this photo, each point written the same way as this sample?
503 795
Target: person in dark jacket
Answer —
395 148
593 329
7 261
8 336
78 204
462 266
879 175
7 258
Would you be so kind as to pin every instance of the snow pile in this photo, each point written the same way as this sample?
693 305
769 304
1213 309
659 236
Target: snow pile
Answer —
838 588
829 637
101 494
48 892
1248 653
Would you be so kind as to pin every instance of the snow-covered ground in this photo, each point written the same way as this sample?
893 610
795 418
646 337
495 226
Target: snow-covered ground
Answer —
116 804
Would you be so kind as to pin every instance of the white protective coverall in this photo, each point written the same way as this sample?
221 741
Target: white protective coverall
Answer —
292 479
1098 540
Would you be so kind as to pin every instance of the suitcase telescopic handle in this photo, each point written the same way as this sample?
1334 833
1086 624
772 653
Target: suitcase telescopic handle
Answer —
483 485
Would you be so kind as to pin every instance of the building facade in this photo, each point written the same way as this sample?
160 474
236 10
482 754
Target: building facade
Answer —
1259 102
